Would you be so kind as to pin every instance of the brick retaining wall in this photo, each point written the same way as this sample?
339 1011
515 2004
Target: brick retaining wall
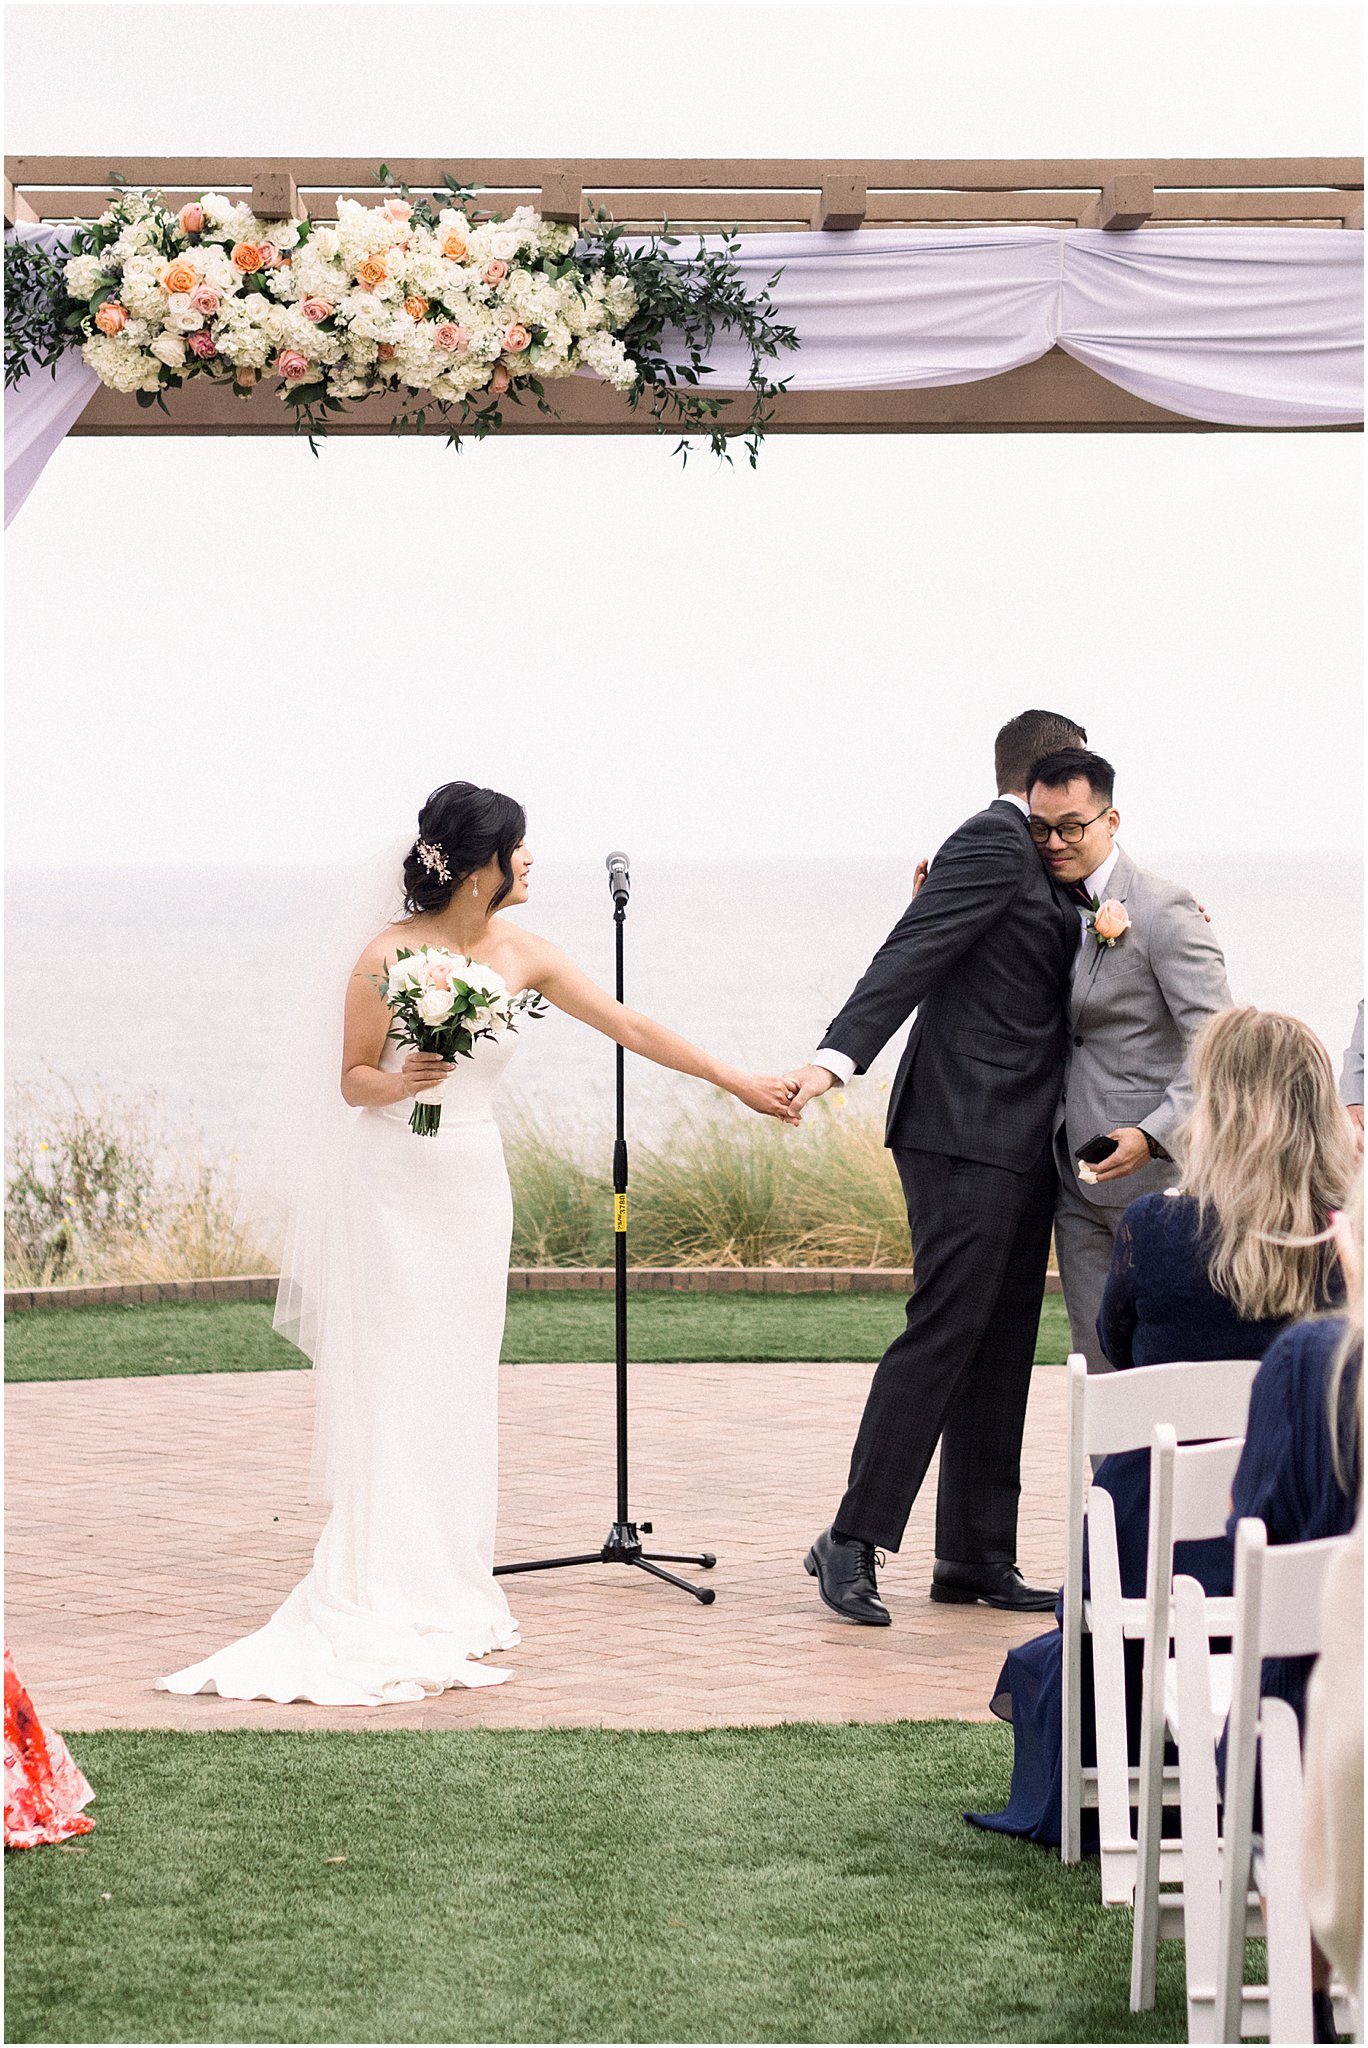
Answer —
521 1280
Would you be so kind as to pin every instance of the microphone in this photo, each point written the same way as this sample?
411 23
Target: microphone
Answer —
619 881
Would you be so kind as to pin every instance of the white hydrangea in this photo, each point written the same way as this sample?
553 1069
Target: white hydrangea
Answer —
84 275
556 238
121 367
607 358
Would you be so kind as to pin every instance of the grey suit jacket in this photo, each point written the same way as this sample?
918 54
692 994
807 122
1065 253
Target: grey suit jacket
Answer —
1135 1008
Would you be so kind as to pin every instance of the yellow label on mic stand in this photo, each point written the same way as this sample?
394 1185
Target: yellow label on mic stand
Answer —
619 1214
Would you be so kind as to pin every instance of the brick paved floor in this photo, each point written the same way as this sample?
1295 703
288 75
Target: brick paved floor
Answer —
152 1520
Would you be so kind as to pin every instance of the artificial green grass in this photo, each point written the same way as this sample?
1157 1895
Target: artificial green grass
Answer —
236 1336
799 1883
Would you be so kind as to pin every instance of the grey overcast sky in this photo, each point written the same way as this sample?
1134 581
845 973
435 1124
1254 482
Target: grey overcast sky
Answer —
226 651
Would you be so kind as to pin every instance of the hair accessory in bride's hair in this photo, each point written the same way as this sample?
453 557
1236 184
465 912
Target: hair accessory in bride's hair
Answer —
433 860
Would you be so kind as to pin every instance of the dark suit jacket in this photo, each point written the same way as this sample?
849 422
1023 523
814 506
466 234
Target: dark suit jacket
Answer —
983 955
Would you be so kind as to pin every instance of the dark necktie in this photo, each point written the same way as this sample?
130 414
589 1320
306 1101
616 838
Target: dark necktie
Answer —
1081 895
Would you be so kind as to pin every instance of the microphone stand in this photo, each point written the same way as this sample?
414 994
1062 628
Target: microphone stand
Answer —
623 1543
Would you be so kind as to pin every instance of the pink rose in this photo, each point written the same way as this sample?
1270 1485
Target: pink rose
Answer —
192 219
270 255
499 379
1110 921
205 300
386 352
450 336
292 365
201 344
516 338
495 271
397 209
316 310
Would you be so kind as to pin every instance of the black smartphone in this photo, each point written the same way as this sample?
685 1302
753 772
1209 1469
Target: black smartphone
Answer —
1096 1150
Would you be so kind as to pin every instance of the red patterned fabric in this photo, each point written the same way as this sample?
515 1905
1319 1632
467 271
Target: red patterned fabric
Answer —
44 1790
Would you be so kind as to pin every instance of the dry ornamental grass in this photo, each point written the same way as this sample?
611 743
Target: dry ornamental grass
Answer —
95 1191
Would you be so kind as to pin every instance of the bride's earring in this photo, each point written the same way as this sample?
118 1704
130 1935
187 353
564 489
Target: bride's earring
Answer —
475 889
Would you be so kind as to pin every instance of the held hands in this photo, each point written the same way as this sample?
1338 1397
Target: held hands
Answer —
806 1083
423 1070
1131 1153
767 1094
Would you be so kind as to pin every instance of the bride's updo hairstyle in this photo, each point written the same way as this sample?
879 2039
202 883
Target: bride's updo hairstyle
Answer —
461 828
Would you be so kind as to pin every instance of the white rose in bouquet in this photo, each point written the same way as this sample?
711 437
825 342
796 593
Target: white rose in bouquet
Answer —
435 1005
169 349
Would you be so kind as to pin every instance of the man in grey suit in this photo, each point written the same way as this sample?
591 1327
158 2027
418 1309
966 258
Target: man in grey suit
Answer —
1147 973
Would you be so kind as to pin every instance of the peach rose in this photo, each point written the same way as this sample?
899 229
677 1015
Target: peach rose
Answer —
111 317
181 277
416 306
293 365
386 352
269 255
1110 921
191 218
247 257
516 339
397 209
499 379
495 271
316 310
245 377
454 248
450 336
201 344
205 300
371 271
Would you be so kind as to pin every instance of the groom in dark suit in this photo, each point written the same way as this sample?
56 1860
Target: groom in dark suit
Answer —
983 954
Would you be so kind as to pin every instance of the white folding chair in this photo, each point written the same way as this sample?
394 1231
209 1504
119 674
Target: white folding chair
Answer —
1200 1724
1189 1502
1117 1411
1278 1594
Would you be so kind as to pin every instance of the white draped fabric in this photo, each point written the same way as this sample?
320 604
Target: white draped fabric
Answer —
1250 327
1247 327
42 406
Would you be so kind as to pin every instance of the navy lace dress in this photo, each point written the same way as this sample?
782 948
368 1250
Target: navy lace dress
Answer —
1287 1473
1159 1305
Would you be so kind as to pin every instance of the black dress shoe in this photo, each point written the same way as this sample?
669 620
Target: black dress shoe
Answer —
846 1575
997 1585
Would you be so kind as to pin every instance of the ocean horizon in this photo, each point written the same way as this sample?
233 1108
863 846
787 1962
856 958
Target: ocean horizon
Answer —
173 997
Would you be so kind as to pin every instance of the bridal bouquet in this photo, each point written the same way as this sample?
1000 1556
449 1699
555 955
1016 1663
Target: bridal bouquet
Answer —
442 1002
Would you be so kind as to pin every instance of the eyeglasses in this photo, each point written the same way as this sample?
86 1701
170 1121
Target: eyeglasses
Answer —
1068 835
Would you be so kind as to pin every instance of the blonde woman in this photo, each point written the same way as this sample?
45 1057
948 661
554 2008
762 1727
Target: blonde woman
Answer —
1301 1474
1217 1270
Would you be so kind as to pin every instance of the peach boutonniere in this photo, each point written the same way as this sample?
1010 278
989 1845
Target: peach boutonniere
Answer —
1110 922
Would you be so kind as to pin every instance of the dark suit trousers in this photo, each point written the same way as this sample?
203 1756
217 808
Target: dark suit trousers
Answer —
960 1370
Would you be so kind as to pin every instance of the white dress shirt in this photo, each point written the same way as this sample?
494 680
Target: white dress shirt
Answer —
839 1064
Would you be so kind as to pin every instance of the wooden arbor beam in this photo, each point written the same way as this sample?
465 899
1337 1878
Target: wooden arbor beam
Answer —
1054 395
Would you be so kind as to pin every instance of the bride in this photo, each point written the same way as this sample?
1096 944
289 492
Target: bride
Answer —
394 1281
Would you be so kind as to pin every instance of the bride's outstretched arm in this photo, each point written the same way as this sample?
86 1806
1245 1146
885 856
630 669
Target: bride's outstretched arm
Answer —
571 990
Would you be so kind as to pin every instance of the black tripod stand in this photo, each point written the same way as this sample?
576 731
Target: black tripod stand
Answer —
623 1542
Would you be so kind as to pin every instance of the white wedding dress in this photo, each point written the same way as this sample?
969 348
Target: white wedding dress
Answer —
402 1599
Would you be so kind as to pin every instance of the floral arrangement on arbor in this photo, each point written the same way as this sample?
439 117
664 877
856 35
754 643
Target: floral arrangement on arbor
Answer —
412 296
